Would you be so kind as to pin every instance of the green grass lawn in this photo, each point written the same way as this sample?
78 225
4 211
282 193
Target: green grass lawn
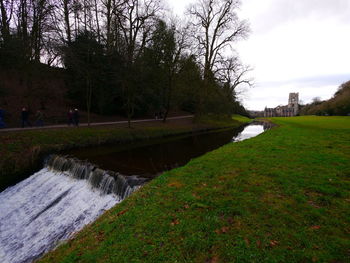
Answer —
283 196
241 118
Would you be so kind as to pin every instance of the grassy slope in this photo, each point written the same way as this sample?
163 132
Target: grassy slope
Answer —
241 118
283 196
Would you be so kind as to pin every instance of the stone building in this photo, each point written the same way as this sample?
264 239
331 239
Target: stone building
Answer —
290 110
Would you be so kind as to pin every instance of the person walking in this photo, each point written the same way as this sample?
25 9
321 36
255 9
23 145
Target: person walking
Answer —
70 117
25 117
2 121
39 118
76 117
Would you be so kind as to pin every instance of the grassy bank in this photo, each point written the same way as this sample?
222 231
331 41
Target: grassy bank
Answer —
283 196
22 152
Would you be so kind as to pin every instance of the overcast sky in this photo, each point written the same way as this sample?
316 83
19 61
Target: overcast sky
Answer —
295 46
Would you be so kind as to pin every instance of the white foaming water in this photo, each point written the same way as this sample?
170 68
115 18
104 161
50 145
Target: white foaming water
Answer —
249 132
44 209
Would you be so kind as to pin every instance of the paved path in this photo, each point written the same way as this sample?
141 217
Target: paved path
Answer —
94 124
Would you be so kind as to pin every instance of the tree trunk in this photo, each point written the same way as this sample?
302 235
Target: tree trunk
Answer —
67 21
109 24
88 98
5 27
169 95
97 23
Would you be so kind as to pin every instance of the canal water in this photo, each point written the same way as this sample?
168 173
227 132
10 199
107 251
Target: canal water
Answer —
47 208
161 155
157 155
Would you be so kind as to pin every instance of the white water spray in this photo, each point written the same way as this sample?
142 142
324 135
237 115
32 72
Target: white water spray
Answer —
50 206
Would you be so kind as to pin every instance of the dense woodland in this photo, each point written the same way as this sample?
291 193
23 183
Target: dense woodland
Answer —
129 57
338 105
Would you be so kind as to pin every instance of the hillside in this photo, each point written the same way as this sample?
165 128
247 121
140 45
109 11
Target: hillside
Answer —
338 105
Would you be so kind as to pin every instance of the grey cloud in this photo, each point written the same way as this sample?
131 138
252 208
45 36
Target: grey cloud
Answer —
314 81
282 11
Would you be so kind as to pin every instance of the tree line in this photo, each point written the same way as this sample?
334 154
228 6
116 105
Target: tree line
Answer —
338 105
130 56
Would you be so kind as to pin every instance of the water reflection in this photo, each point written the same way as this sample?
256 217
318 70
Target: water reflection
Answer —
158 156
249 132
155 157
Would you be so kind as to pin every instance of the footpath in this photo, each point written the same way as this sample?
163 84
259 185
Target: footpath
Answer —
94 124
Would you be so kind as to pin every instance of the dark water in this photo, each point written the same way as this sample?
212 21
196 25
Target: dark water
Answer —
157 156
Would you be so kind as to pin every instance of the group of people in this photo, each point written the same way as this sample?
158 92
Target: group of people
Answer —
158 115
39 118
72 116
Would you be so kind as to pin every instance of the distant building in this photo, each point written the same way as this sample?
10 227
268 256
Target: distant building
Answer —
256 114
290 110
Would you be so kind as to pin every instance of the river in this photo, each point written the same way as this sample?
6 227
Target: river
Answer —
50 206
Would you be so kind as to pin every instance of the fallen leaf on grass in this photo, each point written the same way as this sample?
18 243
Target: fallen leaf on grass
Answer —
273 243
222 230
214 259
225 229
175 222
175 184
196 196
315 227
258 243
122 212
100 237
313 204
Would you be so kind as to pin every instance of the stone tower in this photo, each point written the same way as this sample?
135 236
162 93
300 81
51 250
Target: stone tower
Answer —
293 102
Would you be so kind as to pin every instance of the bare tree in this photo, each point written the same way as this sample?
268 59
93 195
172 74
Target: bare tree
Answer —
66 12
108 14
6 8
216 26
134 19
233 73
181 36
40 12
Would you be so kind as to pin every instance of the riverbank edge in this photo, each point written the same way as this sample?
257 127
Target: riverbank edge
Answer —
235 213
35 145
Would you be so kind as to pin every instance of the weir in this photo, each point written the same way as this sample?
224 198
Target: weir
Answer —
54 203
107 182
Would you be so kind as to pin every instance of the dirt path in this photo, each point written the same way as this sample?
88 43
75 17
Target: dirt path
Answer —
96 124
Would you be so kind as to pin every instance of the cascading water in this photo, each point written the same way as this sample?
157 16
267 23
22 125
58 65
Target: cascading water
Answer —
55 203
106 181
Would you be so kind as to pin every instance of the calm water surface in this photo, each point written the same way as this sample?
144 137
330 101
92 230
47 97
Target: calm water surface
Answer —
161 155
